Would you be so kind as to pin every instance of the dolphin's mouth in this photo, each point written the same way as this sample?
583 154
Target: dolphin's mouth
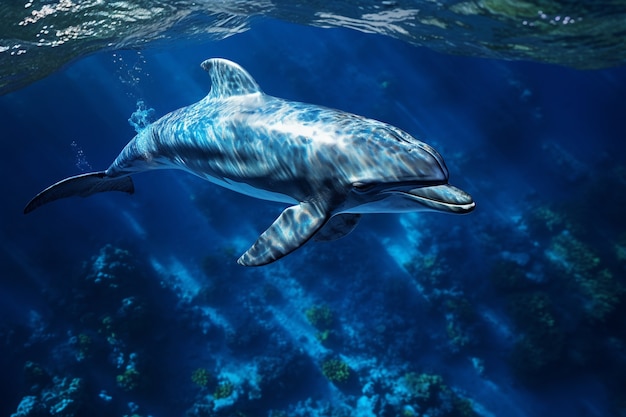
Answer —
445 198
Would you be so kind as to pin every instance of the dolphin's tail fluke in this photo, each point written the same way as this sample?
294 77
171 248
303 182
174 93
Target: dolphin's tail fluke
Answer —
82 185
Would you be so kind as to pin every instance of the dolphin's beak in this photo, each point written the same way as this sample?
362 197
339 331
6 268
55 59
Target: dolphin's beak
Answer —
444 198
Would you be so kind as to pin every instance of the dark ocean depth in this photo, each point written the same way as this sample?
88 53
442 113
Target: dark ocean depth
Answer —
119 305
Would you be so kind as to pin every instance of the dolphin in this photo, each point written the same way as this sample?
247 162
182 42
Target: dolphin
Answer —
329 166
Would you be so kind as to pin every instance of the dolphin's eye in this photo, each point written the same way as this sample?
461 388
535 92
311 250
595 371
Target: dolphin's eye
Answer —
363 187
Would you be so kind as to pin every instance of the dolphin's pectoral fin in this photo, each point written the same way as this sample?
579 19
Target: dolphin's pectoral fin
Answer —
82 185
292 229
337 227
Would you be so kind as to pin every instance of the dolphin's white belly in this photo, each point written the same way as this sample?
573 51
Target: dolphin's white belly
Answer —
247 189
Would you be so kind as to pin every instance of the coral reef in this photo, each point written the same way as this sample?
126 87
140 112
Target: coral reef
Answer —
321 317
545 220
83 346
63 397
105 305
336 370
461 320
129 380
224 390
35 374
427 394
580 263
201 377
541 341
280 346
424 387
509 276
619 248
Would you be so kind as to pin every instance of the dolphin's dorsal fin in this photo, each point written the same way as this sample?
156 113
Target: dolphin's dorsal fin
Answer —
229 79
292 229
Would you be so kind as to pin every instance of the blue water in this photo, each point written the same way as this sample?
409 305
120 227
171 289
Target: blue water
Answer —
515 309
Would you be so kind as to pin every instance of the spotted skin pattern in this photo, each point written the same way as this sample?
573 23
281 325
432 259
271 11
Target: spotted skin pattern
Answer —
321 161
